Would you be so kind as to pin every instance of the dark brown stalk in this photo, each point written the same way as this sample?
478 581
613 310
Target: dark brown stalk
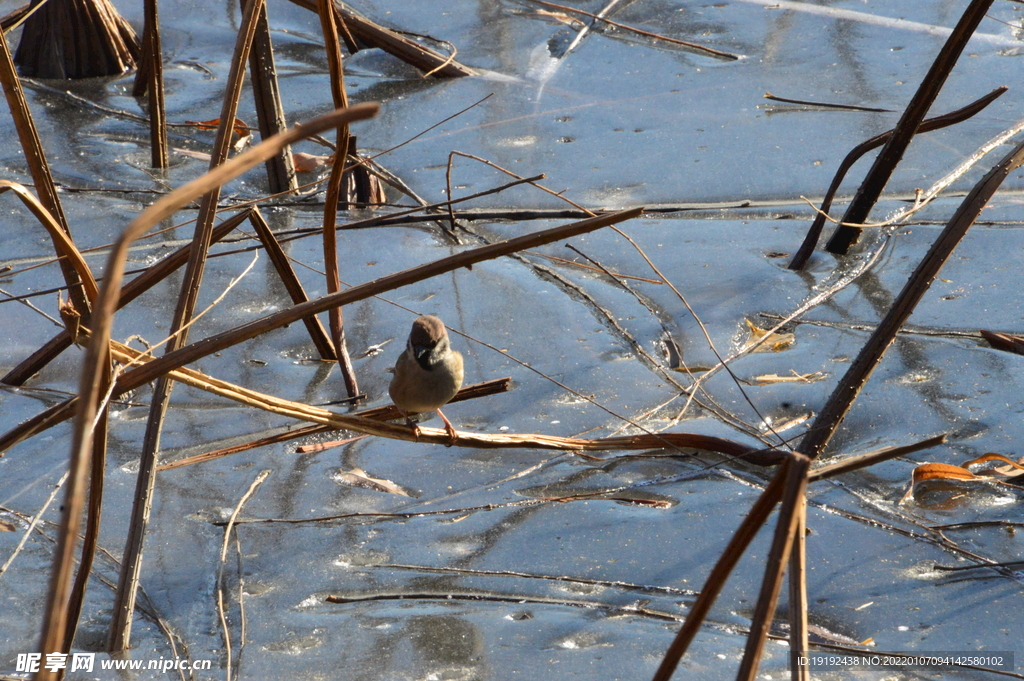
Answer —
859 461
741 538
937 123
269 110
839 402
823 105
32 364
334 185
74 39
132 290
890 156
798 637
775 565
397 45
1004 341
15 18
291 283
37 166
154 84
131 564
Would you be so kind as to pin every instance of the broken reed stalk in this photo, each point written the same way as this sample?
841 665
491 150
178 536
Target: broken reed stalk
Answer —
64 604
395 44
953 117
75 39
385 413
371 424
95 367
852 463
131 562
338 176
741 538
841 399
788 522
153 275
92 530
270 115
798 637
151 79
190 353
291 282
890 156
37 165
62 242
789 538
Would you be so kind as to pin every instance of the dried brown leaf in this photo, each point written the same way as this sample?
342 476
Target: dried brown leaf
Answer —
240 128
307 163
774 342
937 471
941 471
1012 470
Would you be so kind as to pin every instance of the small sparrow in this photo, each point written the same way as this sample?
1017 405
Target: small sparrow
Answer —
428 373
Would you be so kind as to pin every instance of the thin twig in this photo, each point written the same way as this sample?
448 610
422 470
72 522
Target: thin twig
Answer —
33 523
223 557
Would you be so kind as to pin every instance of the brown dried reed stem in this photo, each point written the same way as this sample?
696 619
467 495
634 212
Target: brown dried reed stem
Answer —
150 78
95 369
890 156
62 242
810 241
370 424
37 166
632 29
738 544
90 541
334 188
291 283
384 413
841 399
793 501
220 341
395 44
798 635
270 115
131 563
